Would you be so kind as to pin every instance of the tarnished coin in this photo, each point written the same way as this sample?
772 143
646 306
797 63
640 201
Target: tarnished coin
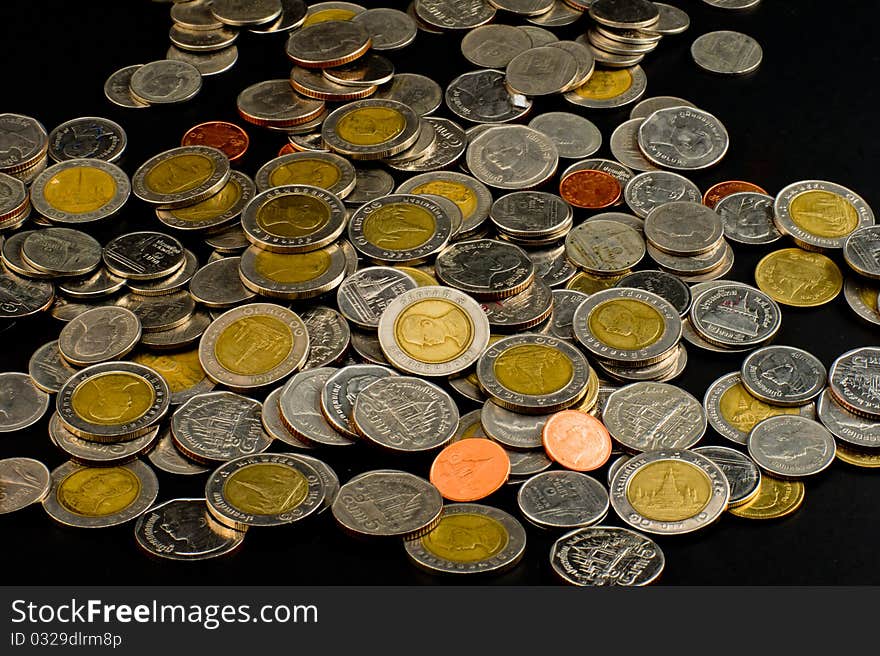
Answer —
512 157
363 297
469 539
647 416
789 446
541 71
98 497
218 285
727 52
776 498
214 212
684 228
23 481
388 504
293 275
329 336
168 458
741 472
482 97
734 314
88 136
274 103
100 334
783 375
181 176
454 15
371 129
608 88
98 454
273 421
651 189
851 381
575 137
862 299
490 471
683 138
606 555
48 369
748 218
183 529
792 276
604 247
241 13
300 407
117 88
650 105
670 492
329 43
165 81
590 189
421 94
22 403
159 313
485 268
563 499
80 191
665 285
324 170
493 46
846 426
340 392
471 196
861 250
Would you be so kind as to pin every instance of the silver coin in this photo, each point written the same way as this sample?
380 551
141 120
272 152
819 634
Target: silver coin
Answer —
565 302
623 43
218 284
88 136
684 228
862 298
732 4
846 426
454 14
14 261
170 284
687 267
183 529
851 380
523 7
65 311
100 334
531 214
23 481
364 72
649 190
748 218
727 52
168 458
604 248
14 199
527 463
245 12
586 63
665 285
421 94
329 336
563 499
615 466
363 296
783 375
219 426
165 81
741 472
606 555
471 196
143 255
340 392
624 13
22 403
625 147
520 311
647 416
273 422
482 97
275 103
683 138
735 315
650 105
667 369
791 446
370 184
559 15
541 71
300 407
672 20
449 145
99 454
159 313
207 63
512 429
21 297
425 142
293 15
484 268
608 60
201 41
512 157
195 15
24 144
367 348
574 136
861 250
48 369
186 334
117 88
61 251
551 265
493 46
328 43
634 77
390 29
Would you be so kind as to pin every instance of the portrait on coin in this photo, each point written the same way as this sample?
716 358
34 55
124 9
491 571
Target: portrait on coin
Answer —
98 492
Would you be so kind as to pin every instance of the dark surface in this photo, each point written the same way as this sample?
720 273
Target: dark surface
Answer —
808 112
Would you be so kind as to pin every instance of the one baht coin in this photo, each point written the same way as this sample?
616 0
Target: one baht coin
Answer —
254 345
627 327
325 170
533 374
789 446
327 44
482 97
748 218
181 176
102 333
486 269
669 492
400 229
666 138
783 375
741 471
293 219
563 500
292 275
165 82
264 489
851 381
469 539
433 331
651 189
796 277
512 157
274 103
98 497
606 556
23 481
604 247
858 432
363 296
113 401
820 215
215 212
183 529
22 402
608 88
684 228
471 196
371 129
80 191
647 416
736 315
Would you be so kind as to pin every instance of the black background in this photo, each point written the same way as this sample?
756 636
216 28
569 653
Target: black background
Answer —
808 112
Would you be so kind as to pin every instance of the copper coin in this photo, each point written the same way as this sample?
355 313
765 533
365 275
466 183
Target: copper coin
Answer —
721 190
576 440
227 137
286 149
590 189
470 470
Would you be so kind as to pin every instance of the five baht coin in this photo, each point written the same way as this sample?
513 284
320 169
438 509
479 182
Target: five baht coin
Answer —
183 529
300 406
651 416
433 331
363 296
181 176
486 269
513 430
847 427
796 277
604 248
325 170
851 381
789 446
563 500
293 219
103 333
340 392
610 87
776 498
254 345
741 471
97 497
293 275
113 401
493 46
327 44
736 315
469 539
512 157
783 375
371 129
606 555
264 489
215 212
80 191
533 373
669 492
23 481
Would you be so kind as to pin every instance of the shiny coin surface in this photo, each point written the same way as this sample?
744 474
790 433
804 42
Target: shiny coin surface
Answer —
80 191
512 429
748 218
471 196
796 277
367 71
563 500
371 129
168 458
370 184
577 441
631 14
207 62
88 136
100 334
482 97
683 138
326 44
470 469
727 52
25 143
589 189
301 410
218 285
741 471
98 454
776 498
275 103
736 315
862 299
143 255
858 457
665 285
851 381
97 285
23 481
789 446
684 228
861 250
183 529
493 46
98 497
240 13
530 214
324 170
606 556
181 370
185 334
181 176
340 392
22 297
227 137
485 268
529 308
575 137
61 252
170 284
117 88
604 247
651 189
624 144
389 29
292 275
200 41
293 218
650 416
329 336
541 71
216 211
608 88
165 81
469 539
363 296
846 426
565 302
648 106
48 369
783 375
512 157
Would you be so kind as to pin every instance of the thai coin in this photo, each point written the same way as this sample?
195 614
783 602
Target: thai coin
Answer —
229 240
274 103
14 200
421 94
735 315
493 46
254 346
583 57
422 146
776 498
628 327
792 276
328 478
200 41
324 170
23 481
606 555
371 129
86 452
512 157
862 298
604 247
300 407
293 275
851 381
219 210
159 313
390 29
48 369
820 215
293 15
632 14
471 196
452 15
449 145
218 285
241 13
170 284
615 466
273 422
551 266
433 331
183 529
206 62
117 88
168 458
665 285
144 255
684 228
565 302
741 472
97 497
783 375
733 412
482 97
667 369
625 147
693 265
64 310
861 250
732 4
620 43
370 184
647 416
651 189
530 214
165 81
331 43
650 105
748 218
720 190
367 347
340 392
327 11
293 219
328 336
368 72
89 136
25 143
563 499
100 334
511 429
609 88
186 334
727 52
181 370
683 138
857 457
22 403
195 15
574 136
484 268
845 426
791 446
363 296
521 311
80 191
541 71
469 539
560 14
672 20
181 176
526 463
670 491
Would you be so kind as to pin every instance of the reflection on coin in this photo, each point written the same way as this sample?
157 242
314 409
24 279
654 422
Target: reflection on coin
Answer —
582 557
604 247
470 469
80 191
181 370
858 457
485 268
563 499
143 255
330 43
221 209
371 129
182 529
862 298
512 157
275 103
23 481
741 472
100 334
608 88
576 441
776 498
727 52
159 313
165 81
792 276
273 422
683 138
789 446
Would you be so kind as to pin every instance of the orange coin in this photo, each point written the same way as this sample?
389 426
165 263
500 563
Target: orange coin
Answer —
287 149
721 190
471 469
576 440
590 189
228 137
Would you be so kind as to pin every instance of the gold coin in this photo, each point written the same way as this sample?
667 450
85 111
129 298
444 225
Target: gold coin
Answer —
606 84
98 491
181 370
113 399
799 278
179 173
466 538
776 498
399 227
293 215
370 126
744 411
824 214
434 331
515 368
669 491
253 345
590 284
211 207
266 489
462 195
422 278
328 15
858 457
292 267
626 324
80 189
315 172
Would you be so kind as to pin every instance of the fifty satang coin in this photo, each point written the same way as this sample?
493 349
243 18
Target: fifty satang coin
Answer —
23 481
183 529
799 278
577 441
227 137
470 469
80 191
181 176
254 345
590 189
371 129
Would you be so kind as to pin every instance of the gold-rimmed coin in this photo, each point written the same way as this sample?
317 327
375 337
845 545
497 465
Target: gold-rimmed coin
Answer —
181 370
324 170
371 129
293 276
80 191
181 176
800 278
472 197
776 498
214 212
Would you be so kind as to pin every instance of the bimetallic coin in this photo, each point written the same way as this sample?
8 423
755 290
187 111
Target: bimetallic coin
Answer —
363 296
22 403
783 375
485 268
776 498
651 189
667 138
851 381
274 103
327 11
23 481
371 129
98 497
482 97
340 392
168 458
792 276
421 94
604 248
470 482
846 426
273 422
727 52
324 170
670 492
608 88
471 196
741 471
665 285
183 529
97 454
858 457
789 446
181 176
512 157
80 191
293 275
606 555
326 44
734 314
100 334
563 499
181 370
300 407
48 370
748 218
165 81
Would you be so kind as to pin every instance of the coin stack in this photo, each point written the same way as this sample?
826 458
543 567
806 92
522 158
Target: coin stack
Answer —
28 156
860 291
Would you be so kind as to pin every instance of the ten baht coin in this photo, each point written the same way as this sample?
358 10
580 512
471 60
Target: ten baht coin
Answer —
371 129
790 446
606 555
512 157
486 269
471 196
610 88
783 375
796 277
98 497
22 403
292 275
80 191
254 345
433 331
217 211
183 529
265 489
99 454
181 370
181 176
102 333
23 481
325 170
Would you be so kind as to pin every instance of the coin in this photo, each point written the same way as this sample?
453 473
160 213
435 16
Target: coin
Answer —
484 268
527 309
159 313
606 555
183 529
734 314
670 492
789 446
292 275
100 334
857 457
718 260
165 81
631 14
511 429
254 345
98 497
748 218
847 427
25 143
577 441
727 52
252 12
181 370
862 298
329 43
363 297
329 336
665 285
207 62
98 454
168 458
340 391
80 191
20 297
719 191
783 375
390 29
23 481
625 147
274 103
170 284
650 189
512 157
850 380
470 469
227 240
493 46
181 176
421 94
563 500
273 422
326 11
371 129
665 138
741 472
575 137
227 137
604 247
608 88
799 278
370 184
300 407
550 265
482 97
313 84
541 71
861 249
454 15
776 498
648 416
218 285
186 334
88 136
200 41
650 105
367 71
472 197
48 370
